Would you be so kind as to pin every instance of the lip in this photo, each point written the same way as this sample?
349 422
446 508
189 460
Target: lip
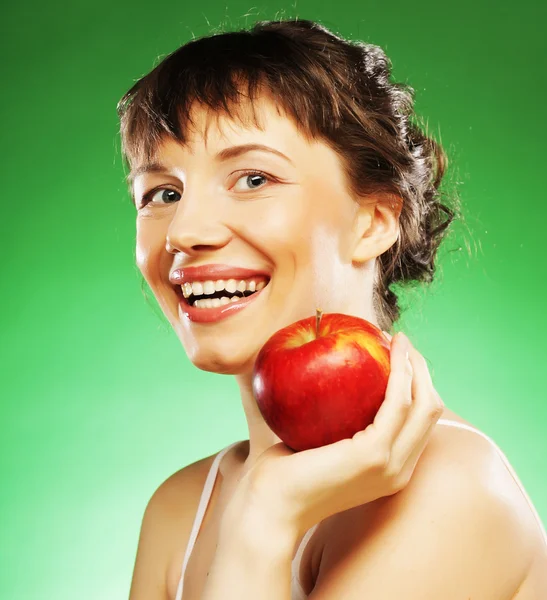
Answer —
213 272
212 315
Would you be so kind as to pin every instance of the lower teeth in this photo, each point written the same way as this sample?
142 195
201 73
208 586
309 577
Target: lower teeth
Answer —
215 302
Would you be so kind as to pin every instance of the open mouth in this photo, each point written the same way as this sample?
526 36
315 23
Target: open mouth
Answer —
202 295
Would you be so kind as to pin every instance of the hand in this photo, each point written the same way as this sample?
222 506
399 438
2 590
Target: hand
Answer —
299 489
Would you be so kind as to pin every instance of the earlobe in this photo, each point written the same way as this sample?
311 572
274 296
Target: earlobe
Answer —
376 228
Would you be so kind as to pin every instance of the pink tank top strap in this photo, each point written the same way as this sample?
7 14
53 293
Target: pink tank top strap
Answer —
298 592
295 567
202 507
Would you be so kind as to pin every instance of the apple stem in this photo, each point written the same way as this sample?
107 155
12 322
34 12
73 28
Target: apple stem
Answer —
318 315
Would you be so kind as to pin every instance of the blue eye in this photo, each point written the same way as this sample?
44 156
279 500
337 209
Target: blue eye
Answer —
253 175
168 198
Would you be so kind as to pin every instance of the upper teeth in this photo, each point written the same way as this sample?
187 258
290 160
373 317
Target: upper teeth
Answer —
198 288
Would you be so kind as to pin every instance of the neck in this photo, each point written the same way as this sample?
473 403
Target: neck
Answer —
261 437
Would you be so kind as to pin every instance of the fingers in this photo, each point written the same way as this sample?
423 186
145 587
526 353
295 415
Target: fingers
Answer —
402 475
427 407
395 408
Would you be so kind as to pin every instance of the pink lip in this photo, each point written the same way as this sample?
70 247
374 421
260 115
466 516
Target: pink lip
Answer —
212 272
212 315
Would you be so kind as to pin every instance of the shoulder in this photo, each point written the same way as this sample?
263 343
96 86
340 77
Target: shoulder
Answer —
177 493
461 528
166 523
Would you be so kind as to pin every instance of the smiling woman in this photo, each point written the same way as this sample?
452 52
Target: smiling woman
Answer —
274 171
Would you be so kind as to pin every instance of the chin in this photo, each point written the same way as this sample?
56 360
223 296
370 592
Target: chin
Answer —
222 364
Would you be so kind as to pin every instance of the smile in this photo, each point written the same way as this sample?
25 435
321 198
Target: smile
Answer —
210 301
212 294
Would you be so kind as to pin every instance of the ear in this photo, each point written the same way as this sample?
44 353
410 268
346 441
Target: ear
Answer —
376 226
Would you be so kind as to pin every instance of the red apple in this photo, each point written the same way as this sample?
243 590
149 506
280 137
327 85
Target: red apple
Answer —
321 379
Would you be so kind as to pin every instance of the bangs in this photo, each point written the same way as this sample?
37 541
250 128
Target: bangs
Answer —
225 74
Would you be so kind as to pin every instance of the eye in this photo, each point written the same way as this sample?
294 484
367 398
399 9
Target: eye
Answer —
251 178
166 196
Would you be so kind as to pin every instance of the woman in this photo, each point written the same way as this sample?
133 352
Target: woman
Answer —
277 171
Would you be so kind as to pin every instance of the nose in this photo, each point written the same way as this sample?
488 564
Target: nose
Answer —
196 229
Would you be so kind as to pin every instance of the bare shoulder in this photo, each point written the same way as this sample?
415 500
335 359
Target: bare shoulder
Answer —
178 493
166 525
461 528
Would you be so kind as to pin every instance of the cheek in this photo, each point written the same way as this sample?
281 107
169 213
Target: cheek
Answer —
288 227
150 249
276 234
328 264
279 216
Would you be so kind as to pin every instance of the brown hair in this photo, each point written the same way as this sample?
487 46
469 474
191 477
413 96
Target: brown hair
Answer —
335 90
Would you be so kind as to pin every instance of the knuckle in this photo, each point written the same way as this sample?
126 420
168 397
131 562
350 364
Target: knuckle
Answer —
406 402
378 459
392 472
438 398
435 411
400 482
434 415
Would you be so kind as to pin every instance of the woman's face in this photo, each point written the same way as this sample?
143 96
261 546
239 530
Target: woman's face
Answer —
296 223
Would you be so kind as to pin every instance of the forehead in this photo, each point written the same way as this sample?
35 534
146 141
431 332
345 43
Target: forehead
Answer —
246 121
210 132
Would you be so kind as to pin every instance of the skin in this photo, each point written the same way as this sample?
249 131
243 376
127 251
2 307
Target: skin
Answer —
305 229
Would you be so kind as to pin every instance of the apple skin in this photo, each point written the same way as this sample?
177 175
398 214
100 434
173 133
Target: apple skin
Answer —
314 391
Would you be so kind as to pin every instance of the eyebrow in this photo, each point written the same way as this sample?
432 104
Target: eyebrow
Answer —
223 155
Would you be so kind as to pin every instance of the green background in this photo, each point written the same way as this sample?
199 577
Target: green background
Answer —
99 402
